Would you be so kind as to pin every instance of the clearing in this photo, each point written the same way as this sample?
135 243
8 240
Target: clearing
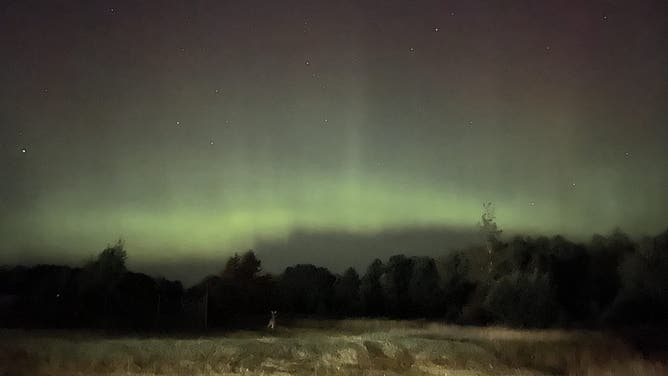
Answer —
350 347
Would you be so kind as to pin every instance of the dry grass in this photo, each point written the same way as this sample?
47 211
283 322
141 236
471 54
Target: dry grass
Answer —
351 347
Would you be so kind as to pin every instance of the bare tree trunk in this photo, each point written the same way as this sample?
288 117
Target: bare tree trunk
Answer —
489 252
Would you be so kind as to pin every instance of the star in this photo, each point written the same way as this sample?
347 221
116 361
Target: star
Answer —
217 91
45 90
548 48
573 185
326 121
211 142
627 154
112 10
178 123
452 13
411 50
532 203
436 29
307 62
24 150
605 17
470 123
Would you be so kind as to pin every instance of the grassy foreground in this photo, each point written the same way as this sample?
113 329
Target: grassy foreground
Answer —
351 347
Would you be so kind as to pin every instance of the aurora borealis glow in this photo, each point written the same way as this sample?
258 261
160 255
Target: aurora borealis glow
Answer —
194 129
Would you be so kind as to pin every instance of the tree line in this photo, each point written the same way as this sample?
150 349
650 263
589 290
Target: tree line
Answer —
524 282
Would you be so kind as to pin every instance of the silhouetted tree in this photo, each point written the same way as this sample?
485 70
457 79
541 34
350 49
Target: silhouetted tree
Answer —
371 292
347 293
455 284
170 300
523 299
231 270
534 282
607 254
394 282
249 266
306 289
48 296
134 302
243 291
96 283
423 288
643 294
569 273
111 261
489 230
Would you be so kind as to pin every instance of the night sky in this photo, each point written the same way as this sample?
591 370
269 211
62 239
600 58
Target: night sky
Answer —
194 129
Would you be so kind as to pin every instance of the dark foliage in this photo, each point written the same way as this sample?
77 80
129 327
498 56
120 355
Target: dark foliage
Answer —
456 285
527 282
371 292
307 290
347 294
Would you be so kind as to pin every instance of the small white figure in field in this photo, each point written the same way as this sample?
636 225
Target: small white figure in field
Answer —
272 321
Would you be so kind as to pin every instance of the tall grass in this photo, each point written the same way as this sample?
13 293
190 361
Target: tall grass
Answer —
349 347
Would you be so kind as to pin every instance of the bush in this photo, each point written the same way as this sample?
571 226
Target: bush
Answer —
525 300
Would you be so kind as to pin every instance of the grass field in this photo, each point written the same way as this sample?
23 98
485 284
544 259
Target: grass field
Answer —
351 347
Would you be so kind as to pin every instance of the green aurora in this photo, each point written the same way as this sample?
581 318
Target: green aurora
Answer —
204 131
